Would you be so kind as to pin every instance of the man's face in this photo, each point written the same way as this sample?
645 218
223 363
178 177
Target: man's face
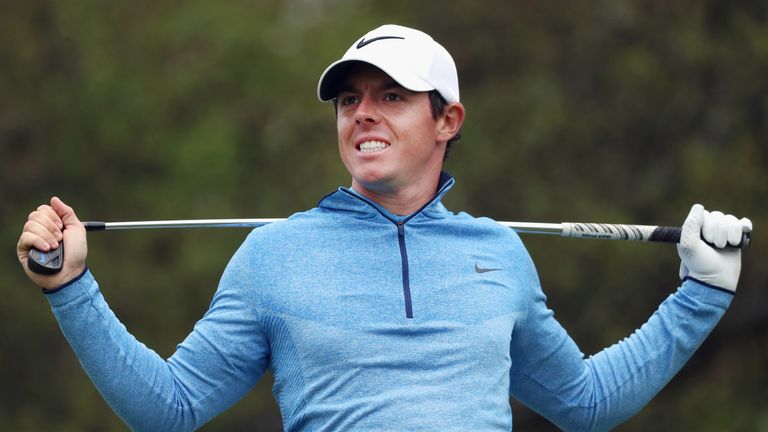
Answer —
388 138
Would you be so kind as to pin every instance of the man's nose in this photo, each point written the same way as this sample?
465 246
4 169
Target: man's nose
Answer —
367 111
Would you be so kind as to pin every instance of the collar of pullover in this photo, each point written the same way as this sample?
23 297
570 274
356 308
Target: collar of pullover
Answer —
347 200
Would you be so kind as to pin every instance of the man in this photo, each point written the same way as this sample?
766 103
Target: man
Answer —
380 309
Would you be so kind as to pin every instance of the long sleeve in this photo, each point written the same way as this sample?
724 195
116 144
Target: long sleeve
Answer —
216 365
551 376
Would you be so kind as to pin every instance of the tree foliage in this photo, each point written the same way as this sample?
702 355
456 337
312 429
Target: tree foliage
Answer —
611 111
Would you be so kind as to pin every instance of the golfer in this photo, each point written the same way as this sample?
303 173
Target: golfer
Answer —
380 310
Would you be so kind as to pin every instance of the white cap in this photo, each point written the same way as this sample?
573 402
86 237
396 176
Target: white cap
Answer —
410 57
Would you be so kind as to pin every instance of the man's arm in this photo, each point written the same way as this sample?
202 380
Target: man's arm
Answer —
218 362
550 373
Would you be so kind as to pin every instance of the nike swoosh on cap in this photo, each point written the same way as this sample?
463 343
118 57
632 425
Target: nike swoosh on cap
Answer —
484 270
364 42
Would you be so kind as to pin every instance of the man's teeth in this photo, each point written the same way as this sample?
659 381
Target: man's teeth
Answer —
372 146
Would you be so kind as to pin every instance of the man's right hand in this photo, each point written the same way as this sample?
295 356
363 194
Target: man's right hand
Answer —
45 229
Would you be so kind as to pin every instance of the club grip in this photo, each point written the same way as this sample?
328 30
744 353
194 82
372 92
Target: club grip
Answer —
46 263
672 235
665 234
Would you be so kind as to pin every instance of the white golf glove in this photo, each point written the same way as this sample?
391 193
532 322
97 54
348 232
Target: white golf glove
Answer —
717 266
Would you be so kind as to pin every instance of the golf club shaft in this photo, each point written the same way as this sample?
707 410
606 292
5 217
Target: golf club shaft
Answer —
652 233
182 223
51 262
566 229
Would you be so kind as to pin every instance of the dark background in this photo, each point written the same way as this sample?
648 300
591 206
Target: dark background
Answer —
605 111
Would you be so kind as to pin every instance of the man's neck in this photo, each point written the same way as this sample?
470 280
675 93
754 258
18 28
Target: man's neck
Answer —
399 201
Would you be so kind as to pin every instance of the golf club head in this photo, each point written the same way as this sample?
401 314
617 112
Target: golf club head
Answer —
46 263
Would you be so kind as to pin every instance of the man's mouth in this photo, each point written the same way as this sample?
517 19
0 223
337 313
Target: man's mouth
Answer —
372 146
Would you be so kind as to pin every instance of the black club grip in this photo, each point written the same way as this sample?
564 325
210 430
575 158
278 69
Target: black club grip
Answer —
670 234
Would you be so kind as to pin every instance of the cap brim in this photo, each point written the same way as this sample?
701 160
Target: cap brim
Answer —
335 74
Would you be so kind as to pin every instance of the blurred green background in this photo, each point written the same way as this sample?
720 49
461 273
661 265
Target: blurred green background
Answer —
612 111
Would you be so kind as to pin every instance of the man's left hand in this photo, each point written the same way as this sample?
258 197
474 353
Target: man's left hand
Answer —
713 263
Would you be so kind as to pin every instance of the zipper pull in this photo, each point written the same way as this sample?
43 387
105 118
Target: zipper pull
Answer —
400 228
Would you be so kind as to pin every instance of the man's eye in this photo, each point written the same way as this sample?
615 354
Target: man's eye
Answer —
393 97
348 100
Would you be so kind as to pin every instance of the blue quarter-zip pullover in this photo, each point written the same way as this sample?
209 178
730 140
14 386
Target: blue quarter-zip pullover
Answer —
374 322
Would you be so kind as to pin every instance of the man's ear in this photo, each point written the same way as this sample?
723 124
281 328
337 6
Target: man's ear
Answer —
450 121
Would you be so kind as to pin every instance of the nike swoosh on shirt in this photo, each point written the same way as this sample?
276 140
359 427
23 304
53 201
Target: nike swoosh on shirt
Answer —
364 42
484 270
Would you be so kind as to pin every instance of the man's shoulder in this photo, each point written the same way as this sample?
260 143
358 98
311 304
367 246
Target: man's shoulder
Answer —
298 224
482 223
465 228
286 222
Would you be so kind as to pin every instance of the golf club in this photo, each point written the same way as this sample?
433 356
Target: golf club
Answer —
51 262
